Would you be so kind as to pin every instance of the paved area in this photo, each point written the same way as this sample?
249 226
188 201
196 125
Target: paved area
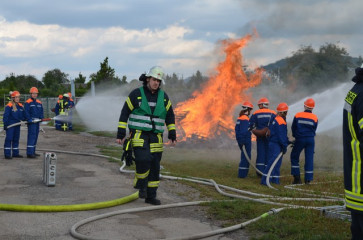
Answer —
85 179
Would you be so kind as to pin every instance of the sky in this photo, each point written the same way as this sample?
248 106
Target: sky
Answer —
182 36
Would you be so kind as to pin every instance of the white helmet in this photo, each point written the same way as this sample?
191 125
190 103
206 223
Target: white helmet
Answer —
66 95
156 72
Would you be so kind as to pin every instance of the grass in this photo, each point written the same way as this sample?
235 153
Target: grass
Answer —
221 165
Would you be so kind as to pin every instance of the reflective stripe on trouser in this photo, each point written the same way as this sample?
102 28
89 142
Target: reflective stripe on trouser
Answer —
307 143
147 161
11 143
262 153
244 164
33 132
274 150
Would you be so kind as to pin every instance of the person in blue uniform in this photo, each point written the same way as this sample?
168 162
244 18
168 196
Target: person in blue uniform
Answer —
146 111
70 111
33 114
243 137
13 113
278 142
260 121
352 150
303 129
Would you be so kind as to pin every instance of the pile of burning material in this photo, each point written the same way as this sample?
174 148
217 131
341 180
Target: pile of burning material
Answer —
207 118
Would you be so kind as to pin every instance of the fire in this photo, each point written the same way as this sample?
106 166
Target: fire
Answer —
209 113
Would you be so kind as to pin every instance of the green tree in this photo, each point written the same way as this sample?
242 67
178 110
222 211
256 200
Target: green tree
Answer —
315 69
21 83
124 79
106 75
80 78
54 78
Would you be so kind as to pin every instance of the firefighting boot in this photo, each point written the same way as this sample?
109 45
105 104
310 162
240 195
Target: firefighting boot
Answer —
152 201
297 180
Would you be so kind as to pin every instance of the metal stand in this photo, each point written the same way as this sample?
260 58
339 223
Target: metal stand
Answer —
49 169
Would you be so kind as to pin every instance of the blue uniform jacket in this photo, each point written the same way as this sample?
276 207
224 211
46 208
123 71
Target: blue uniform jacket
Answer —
241 129
10 116
33 109
278 133
262 118
304 124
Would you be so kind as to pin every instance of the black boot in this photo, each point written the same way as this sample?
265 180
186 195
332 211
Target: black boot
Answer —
152 201
297 180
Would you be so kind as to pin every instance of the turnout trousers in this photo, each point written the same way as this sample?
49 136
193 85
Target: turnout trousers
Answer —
244 165
356 226
11 143
307 143
33 132
262 153
148 148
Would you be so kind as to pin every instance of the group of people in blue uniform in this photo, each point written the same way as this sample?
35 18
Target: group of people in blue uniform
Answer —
272 140
14 113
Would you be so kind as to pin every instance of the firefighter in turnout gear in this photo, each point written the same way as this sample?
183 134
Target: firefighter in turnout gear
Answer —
61 110
243 137
303 130
353 149
13 113
278 143
33 111
260 121
145 112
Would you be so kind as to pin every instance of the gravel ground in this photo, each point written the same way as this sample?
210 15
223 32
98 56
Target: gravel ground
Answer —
88 179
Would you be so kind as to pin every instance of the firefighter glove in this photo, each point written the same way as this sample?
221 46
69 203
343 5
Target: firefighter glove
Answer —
292 143
127 154
121 133
172 135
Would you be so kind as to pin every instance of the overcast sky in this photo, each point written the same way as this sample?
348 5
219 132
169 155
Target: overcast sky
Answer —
179 35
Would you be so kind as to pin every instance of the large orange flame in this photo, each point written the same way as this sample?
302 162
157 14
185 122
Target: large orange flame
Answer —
210 112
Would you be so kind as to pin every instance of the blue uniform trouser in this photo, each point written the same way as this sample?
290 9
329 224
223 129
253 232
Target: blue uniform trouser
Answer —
58 124
274 151
307 143
262 153
33 132
244 165
11 143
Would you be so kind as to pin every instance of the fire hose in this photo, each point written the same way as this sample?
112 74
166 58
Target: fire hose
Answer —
267 200
249 160
26 122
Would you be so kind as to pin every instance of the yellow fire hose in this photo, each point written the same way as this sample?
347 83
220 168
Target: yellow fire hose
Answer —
68 208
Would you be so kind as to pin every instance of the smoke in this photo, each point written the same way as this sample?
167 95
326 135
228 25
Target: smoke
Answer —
328 108
101 112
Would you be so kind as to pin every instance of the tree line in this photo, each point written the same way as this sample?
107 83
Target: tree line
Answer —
306 68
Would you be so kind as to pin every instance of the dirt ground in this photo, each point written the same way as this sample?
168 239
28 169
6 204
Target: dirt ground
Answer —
89 179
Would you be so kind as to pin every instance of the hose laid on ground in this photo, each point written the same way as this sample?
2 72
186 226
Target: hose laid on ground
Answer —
249 160
68 208
270 171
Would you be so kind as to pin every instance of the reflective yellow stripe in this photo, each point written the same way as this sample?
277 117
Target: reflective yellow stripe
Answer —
171 127
357 161
122 124
153 184
168 105
157 147
354 200
360 123
142 175
128 101
137 141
